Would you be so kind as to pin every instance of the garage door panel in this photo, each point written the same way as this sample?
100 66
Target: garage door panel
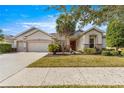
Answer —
38 46
20 46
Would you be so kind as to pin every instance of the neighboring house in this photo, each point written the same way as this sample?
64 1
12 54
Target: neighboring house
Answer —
9 39
35 40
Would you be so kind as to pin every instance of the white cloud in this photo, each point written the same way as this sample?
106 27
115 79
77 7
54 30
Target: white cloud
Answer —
54 16
46 25
51 16
5 29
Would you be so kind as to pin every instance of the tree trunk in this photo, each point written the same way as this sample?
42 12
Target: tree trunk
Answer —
67 43
62 47
54 53
117 48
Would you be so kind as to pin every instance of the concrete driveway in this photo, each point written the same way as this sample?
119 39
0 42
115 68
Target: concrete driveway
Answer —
12 63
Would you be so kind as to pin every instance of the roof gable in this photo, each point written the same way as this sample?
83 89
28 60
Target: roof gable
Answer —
92 29
30 32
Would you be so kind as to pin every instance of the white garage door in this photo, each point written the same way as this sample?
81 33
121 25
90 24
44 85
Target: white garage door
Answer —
38 47
20 46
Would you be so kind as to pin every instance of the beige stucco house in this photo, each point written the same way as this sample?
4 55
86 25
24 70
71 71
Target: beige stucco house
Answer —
35 40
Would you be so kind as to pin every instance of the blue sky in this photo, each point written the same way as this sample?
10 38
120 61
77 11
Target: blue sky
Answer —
16 19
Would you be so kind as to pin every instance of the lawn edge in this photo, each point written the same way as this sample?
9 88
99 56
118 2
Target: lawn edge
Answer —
67 86
73 66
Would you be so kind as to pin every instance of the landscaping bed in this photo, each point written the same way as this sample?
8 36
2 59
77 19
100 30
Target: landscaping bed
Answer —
79 61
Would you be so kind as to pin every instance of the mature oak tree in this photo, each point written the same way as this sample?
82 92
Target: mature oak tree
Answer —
97 15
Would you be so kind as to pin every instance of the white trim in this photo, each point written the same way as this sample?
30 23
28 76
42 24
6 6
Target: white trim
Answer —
94 27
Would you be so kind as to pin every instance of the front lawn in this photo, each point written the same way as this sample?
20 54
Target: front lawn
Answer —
79 61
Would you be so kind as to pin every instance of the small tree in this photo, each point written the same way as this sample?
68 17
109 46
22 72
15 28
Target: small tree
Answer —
115 34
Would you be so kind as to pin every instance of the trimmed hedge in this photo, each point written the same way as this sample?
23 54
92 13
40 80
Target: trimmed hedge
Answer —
5 48
114 53
89 51
106 53
110 53
122 53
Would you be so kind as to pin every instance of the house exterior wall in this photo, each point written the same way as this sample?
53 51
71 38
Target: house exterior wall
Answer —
21 37
83 41
38 35
33 35
93 32
80 43
104 42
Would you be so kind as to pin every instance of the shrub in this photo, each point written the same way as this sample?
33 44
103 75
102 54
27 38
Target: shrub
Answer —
80 51
114 53
89 51
53 48
105 49
106 53
98 51
4 48
122 53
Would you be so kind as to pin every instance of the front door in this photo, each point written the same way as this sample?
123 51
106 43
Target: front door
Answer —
91 42
73 45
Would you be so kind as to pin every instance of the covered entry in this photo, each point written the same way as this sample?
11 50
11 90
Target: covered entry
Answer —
73 45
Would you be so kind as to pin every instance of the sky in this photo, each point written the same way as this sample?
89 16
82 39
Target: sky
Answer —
15 19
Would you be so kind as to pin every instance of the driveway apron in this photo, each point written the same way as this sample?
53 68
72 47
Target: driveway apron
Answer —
12 63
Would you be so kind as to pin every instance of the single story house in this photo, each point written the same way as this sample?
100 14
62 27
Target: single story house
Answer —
35 40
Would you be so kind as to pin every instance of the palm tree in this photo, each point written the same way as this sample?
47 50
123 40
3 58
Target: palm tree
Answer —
66 25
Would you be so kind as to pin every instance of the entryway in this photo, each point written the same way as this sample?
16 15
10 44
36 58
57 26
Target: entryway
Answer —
73 45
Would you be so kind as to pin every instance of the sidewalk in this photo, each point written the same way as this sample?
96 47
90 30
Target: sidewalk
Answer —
66 76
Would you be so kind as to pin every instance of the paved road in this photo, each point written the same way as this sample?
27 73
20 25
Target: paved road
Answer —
14 62
66 76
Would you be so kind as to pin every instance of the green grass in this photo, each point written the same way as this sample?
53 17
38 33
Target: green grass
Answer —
79 61
69 86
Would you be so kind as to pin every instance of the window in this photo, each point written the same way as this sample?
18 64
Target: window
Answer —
91 42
